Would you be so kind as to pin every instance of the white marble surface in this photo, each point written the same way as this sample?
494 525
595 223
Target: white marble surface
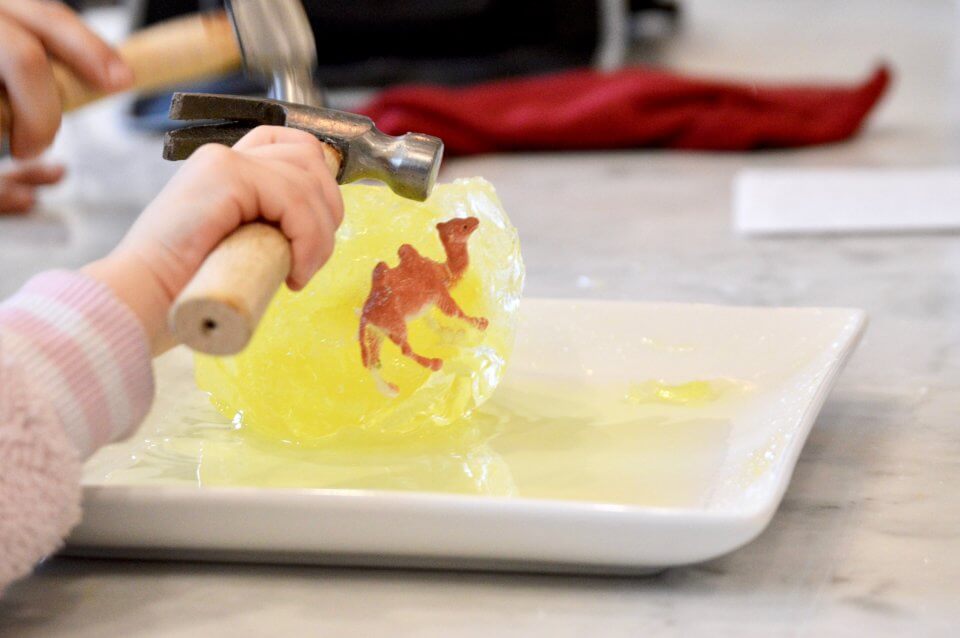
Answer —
867 541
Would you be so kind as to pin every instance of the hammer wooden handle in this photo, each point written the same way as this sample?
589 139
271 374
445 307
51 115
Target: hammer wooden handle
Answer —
178 51
219 310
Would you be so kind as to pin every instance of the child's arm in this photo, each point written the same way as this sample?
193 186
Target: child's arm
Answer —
74 374
75 346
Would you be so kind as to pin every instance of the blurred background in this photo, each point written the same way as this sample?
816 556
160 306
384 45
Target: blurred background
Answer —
454 41
673 209
365 45
368 44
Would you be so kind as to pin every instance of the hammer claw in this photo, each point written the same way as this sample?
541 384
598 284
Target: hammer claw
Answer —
205 106
180 144
228 118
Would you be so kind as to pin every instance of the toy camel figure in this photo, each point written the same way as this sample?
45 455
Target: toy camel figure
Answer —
401 294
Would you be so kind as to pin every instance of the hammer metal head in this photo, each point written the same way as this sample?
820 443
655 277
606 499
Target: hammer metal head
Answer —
273 32
408 164
277 42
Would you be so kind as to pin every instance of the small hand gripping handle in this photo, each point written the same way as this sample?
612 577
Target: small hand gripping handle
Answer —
177 51
219 310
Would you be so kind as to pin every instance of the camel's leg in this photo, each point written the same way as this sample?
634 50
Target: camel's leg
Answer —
374 340
399 337
364 338
449 307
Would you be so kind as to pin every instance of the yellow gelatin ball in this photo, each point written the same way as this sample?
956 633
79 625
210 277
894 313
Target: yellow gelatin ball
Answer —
408 326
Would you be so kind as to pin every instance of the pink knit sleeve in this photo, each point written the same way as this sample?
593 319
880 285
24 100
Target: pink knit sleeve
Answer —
75 374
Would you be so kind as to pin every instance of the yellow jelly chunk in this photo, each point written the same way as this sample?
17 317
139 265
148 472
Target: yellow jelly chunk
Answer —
302 378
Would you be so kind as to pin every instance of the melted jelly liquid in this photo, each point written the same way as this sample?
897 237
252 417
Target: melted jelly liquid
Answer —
535 439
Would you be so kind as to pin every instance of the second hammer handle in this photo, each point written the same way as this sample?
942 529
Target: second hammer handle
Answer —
178 51
219 310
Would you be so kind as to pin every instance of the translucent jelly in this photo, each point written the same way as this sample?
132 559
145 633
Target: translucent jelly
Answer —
302 379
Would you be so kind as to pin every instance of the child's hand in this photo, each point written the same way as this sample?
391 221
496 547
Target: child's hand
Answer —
274 173
18 186
32 32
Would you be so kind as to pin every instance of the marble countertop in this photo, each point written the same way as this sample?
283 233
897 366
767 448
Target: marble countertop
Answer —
867 541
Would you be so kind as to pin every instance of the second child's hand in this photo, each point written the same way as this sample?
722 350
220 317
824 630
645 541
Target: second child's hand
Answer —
34 34
18 186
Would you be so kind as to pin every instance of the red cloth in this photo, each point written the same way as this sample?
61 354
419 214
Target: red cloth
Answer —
632 108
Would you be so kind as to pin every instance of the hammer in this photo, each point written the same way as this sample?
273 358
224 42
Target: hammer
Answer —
221 307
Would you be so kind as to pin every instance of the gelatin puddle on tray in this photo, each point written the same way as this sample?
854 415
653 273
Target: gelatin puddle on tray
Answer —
644 443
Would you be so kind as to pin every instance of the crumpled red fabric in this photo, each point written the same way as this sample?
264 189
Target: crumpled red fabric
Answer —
632 108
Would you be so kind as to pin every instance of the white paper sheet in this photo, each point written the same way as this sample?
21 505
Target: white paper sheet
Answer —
792 201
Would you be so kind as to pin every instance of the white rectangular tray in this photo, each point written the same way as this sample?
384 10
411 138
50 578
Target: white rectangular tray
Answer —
586 468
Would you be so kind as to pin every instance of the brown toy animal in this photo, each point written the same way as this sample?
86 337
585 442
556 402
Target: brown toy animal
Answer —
401 294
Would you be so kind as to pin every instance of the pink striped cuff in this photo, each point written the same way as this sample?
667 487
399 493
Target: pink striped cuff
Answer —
86 350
